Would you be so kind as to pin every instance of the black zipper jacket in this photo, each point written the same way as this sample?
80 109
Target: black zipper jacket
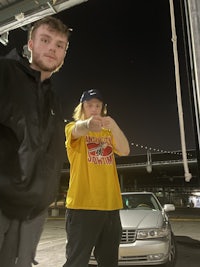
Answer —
31 140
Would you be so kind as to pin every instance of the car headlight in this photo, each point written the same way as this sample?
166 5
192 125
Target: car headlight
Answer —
152 233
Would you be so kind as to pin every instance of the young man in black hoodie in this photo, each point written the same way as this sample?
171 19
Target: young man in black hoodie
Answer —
31 141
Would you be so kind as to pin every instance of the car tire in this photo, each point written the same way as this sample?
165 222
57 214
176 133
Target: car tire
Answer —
173 253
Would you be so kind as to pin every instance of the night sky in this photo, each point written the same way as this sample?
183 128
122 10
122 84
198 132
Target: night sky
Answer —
124 49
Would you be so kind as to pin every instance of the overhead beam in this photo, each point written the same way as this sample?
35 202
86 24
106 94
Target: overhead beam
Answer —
25 12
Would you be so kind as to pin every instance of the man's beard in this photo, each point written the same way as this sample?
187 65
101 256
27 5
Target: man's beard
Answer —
43 67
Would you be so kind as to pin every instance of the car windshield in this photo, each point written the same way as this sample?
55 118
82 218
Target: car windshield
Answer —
140 202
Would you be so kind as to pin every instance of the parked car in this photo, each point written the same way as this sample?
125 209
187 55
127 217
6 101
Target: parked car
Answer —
147 237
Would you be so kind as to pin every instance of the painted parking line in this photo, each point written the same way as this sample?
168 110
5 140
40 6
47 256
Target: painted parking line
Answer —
185 219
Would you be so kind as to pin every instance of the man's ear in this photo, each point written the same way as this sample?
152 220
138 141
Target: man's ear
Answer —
30 44
67 46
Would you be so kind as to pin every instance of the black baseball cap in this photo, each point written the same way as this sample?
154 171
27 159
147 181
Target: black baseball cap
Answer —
92 93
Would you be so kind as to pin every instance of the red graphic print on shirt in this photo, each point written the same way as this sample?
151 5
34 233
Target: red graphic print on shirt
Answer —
99 150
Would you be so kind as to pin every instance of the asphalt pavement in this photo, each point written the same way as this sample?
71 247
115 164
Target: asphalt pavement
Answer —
185 224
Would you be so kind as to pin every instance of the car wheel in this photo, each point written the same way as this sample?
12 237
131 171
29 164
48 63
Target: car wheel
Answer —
173 253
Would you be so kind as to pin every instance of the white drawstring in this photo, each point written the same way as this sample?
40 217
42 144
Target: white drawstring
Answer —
188 175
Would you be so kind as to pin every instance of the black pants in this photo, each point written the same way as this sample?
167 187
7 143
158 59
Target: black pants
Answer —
90 228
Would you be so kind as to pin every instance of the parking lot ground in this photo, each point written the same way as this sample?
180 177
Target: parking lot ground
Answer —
51 249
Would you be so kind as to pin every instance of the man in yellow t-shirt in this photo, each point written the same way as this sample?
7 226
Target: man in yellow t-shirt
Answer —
94 197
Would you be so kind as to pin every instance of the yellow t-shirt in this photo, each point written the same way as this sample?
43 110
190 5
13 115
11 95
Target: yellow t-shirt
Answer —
94 182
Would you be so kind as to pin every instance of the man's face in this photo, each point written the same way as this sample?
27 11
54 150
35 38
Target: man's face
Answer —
92 107
48 49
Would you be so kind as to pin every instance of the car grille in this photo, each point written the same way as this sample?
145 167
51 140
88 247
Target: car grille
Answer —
128 236
132 259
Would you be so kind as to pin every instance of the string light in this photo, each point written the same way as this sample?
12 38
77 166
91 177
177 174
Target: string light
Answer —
145 147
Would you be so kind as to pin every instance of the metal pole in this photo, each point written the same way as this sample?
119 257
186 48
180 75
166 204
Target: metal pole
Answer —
188 175
192 17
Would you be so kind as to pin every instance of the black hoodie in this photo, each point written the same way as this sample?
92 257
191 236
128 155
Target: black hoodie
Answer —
31 140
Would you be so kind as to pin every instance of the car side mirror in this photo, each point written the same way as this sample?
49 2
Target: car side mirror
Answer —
169 207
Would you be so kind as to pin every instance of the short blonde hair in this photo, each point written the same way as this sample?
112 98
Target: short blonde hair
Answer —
54 23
